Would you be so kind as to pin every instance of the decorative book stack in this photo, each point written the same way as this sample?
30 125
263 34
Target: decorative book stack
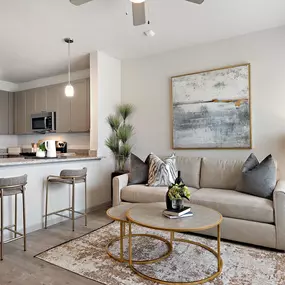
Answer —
176 214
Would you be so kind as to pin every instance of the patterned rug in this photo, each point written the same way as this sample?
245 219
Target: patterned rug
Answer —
243 265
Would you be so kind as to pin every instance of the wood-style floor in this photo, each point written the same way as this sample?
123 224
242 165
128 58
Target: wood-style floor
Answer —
21 268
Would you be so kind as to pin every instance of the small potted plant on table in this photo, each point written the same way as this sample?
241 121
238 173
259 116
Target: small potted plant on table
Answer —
174 197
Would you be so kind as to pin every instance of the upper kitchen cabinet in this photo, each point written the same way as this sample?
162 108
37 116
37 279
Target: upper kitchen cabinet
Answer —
41 100
30 109
58 102
80 107
72 114
20 112
6 113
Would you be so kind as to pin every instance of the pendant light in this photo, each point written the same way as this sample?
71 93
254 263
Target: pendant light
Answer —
69 90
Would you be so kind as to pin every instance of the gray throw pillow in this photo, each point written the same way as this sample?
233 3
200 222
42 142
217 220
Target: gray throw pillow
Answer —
138 171
258 179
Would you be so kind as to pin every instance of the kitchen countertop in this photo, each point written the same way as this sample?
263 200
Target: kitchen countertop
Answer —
32 160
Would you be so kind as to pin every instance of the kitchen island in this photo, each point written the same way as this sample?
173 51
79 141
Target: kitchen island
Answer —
59 195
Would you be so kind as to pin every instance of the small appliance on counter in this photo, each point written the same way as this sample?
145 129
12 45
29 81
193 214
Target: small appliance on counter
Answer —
61 146
50 146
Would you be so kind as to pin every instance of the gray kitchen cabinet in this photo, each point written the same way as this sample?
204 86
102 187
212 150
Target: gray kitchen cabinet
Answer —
30 109
20 112
11 107
72 114
57 101
40 100
4 113
79 111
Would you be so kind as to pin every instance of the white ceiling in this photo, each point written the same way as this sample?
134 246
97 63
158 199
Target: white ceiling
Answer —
32 30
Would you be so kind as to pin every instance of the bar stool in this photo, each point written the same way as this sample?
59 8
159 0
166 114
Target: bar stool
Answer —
70 177
12 187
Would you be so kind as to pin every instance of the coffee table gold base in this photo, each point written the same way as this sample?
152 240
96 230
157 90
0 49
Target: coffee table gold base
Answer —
217 254
124 236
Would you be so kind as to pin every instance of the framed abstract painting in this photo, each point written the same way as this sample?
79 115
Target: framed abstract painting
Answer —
212 109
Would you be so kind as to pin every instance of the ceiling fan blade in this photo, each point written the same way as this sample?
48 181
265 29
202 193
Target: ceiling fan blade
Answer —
139 17
196 1
79 2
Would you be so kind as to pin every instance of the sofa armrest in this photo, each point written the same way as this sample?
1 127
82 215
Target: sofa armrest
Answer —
119 182
279 209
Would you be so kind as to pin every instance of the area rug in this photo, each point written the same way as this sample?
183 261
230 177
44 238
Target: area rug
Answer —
243 265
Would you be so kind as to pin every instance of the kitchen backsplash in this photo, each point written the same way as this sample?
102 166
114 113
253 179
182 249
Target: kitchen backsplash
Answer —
78 141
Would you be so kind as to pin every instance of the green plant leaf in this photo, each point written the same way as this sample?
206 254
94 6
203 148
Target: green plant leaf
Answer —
125 132
125 110
113 144
114 122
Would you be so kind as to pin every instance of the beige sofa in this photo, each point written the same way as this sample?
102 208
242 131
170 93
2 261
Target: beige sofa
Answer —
247 218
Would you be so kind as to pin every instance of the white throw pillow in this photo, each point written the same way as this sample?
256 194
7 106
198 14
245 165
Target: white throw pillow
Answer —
161 173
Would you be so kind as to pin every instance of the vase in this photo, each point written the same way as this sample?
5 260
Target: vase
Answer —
122 164
177 204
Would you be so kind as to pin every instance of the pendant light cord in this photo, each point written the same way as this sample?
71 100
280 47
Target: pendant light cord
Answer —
69 63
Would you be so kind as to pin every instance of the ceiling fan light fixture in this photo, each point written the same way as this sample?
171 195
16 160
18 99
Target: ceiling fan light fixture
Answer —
69 90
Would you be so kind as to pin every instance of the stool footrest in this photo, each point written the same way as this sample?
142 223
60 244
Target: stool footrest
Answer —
15 232
64 216
13 239
77 212
53 213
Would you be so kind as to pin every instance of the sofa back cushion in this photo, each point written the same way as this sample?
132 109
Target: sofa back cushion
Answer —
190 168
221 174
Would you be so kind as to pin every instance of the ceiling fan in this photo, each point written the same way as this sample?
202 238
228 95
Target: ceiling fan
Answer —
139 15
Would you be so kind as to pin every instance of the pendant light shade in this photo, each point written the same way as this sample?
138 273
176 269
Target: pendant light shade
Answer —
69 90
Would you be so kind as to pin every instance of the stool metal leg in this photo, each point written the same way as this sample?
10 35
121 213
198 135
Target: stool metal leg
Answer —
2 226
46 209
16 215
85 202
73 202
24 220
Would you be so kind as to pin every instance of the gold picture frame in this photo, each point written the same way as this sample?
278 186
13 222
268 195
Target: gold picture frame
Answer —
245 139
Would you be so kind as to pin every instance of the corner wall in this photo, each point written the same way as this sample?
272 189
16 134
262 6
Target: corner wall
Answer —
146 85
105 92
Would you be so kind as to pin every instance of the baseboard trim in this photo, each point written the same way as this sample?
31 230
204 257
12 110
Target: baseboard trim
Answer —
56 220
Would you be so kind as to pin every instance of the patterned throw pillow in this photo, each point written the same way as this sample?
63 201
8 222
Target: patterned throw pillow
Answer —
161 173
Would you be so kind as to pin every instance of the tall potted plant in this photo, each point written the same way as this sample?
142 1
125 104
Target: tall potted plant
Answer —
121 132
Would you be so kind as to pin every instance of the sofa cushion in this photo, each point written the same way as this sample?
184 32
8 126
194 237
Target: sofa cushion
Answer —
220 174
190 168
233 204
145 194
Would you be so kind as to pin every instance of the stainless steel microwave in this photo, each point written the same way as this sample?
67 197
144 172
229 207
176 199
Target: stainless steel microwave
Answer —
44 122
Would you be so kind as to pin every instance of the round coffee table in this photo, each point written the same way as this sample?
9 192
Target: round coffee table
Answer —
118 213
150 216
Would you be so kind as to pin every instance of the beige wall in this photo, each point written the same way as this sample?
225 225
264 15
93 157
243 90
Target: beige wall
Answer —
146 81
